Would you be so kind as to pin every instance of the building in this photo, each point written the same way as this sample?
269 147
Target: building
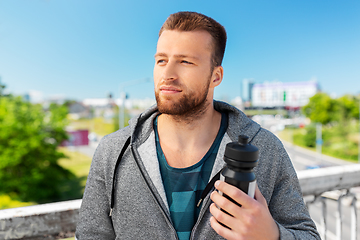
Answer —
106 107
101 107
78 110
247 85
279 94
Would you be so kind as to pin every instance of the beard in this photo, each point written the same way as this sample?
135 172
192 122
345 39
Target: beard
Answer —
191 104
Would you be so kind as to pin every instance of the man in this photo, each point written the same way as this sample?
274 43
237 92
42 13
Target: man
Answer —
145 180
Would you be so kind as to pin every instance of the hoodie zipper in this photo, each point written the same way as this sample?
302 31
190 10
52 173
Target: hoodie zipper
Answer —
209 187
204 207
153 195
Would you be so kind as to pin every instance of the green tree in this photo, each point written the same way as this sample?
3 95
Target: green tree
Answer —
348 107
321 108
310 136
69 102
1 88
29 137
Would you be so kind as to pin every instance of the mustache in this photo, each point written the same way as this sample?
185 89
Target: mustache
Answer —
169 84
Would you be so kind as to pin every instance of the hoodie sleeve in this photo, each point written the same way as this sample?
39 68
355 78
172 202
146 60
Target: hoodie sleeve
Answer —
280 186
296 222
94 221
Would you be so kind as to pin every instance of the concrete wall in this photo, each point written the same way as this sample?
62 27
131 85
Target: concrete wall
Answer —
40 221
47 220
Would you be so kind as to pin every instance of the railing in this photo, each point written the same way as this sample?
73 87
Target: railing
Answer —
43 221
319 182
57 219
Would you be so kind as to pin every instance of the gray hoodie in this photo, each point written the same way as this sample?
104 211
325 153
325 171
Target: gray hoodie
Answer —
140 206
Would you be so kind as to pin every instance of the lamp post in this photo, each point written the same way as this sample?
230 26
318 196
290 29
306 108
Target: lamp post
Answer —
123 97
319 141
1 88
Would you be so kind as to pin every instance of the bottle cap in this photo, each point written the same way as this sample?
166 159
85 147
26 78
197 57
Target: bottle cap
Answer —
241 153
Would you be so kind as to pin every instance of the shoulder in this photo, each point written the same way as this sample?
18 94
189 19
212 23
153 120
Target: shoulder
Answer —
267 140
275 167
272 151
109 147
118 136
112 141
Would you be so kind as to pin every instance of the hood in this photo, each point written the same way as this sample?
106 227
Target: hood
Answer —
142 125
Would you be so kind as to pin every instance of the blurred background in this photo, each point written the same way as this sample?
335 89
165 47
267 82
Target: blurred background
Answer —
72 71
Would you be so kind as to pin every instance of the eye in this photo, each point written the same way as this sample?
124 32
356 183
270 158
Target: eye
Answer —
160 62
186 62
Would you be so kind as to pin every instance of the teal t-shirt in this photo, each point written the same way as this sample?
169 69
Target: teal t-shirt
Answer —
183 186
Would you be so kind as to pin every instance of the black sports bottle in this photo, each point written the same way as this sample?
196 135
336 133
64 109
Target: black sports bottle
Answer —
241 157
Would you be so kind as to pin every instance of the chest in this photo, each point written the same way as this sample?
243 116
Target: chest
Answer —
181 158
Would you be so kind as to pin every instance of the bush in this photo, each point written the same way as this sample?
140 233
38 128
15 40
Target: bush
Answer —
310 136
29 137
7 202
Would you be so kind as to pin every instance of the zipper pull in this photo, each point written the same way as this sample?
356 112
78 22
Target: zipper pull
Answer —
209 186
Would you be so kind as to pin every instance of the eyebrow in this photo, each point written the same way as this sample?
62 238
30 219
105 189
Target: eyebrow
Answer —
176 56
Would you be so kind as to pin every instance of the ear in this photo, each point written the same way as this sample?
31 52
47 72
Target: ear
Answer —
217 76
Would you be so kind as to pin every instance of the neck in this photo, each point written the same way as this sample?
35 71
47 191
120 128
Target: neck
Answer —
188 135
199 120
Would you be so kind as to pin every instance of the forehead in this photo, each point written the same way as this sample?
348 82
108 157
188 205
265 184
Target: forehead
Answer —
174 42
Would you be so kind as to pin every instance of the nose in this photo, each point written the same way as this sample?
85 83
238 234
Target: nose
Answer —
169 72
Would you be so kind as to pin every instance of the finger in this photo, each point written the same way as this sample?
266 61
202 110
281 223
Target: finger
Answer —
225 204
222 231
233 192
259 197
221 216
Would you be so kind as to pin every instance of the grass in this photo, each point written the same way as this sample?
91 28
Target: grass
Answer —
282 112
77 163
6 201
97 125
339 145
286 135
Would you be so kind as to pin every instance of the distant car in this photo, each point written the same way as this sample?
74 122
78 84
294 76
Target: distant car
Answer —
315 166
92 137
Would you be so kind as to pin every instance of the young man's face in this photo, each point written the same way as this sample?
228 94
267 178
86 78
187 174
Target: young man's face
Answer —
182 72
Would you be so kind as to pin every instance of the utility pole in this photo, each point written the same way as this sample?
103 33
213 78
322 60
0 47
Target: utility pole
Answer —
1 88
319 141
122 109
123 98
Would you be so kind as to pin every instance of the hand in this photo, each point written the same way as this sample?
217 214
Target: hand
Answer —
250 221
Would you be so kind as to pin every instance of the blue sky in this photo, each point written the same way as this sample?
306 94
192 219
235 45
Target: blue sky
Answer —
86 48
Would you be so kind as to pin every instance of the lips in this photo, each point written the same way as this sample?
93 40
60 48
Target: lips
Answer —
169 89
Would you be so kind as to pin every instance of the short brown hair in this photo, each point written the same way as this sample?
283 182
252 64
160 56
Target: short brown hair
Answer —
191 21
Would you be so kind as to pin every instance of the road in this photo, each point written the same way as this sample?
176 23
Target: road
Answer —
302 159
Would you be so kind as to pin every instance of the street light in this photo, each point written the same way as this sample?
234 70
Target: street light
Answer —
123 97
319 141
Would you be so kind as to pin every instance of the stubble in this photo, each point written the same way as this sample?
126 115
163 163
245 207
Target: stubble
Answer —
189 107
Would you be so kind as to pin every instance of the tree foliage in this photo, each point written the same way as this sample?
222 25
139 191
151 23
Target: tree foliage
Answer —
323 109
2 86
337 116
347 107
319 108
29 137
